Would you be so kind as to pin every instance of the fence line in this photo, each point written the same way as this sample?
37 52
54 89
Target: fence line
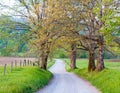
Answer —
14 64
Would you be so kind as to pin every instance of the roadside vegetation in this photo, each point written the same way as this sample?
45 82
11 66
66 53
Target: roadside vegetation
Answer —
107 81
62 28
24 80
50 63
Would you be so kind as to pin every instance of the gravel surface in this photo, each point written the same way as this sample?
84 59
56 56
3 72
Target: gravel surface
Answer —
65 82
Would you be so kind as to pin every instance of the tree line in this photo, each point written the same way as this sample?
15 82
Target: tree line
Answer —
73 25
12 37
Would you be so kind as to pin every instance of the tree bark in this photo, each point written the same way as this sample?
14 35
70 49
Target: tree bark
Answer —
100 60
73 57
91 65
44 59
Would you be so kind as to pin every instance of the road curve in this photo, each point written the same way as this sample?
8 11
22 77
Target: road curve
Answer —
64 82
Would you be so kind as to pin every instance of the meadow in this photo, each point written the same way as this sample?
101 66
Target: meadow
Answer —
27 79
107 81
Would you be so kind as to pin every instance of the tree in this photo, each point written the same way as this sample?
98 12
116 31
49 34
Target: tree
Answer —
95 15
107 17
78 24
87 31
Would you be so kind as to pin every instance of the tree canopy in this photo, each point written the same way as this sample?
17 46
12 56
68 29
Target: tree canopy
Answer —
73 25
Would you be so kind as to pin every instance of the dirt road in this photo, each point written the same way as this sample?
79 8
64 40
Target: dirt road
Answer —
64 82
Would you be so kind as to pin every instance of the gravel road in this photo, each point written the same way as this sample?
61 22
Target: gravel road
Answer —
65 82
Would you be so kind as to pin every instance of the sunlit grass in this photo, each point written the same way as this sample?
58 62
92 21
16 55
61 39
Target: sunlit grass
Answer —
107 81
23 80
50 63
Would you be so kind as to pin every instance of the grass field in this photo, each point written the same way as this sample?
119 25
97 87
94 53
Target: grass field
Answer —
24 80
107 81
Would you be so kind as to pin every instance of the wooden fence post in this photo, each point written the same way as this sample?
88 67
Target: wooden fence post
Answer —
5 69
15 64
33 64
11 66
24 62
20 63
28 62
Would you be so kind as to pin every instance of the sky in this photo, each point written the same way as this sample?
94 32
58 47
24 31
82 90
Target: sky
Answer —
8 3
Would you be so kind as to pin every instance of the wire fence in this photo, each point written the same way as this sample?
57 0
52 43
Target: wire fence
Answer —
14 63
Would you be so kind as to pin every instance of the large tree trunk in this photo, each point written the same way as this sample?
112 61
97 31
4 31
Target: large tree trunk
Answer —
44 59
73 57
91 65
100 61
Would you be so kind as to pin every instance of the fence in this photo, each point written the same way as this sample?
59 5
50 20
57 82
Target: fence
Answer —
13 65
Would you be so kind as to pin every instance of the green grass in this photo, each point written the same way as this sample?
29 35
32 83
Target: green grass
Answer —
23 80
50 63
107 81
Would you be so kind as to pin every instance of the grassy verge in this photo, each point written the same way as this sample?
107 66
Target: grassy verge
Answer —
23 80
50 63
107 81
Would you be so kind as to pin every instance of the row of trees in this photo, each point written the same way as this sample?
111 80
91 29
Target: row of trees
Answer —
90 25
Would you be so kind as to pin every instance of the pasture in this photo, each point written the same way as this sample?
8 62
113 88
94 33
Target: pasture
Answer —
107 81
24 79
